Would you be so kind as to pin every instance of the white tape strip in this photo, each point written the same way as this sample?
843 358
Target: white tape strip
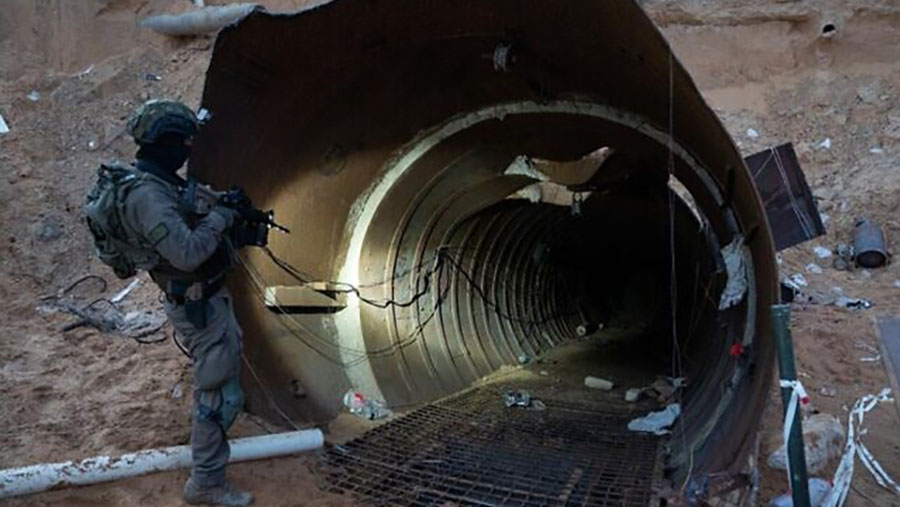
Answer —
798 397
855 447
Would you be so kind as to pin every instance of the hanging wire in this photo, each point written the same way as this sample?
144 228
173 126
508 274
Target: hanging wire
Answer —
677 367
362 354
266 393
318 344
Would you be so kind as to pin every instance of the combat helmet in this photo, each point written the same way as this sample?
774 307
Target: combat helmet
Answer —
158 117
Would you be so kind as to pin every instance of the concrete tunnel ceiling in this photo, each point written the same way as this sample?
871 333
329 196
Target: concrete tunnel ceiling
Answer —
390 135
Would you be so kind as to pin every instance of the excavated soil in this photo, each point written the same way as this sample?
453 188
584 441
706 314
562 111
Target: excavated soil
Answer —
764 65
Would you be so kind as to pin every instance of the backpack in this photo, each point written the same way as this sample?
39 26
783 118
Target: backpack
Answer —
104 211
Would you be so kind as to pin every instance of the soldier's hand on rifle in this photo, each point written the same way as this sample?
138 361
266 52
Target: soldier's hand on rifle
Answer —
239 201
236 199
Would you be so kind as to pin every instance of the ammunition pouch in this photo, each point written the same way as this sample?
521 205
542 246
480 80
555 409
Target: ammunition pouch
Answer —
194 295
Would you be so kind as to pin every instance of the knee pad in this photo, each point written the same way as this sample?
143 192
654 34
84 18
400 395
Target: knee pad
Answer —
232 402
229 400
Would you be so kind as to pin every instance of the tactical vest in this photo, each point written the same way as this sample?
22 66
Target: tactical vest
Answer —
126 251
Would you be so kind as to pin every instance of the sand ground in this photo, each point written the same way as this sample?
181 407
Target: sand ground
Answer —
762 64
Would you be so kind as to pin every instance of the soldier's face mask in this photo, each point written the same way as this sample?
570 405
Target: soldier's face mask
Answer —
169 152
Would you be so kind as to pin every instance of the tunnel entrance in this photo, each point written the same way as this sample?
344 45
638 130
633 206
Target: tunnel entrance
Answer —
490 263
614 280
392 150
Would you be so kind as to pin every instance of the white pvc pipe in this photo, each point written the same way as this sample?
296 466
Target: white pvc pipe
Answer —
35 478
203 20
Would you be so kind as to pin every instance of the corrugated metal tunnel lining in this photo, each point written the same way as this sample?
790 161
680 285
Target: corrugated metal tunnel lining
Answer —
385 145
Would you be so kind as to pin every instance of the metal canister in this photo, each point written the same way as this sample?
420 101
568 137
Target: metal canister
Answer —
869 245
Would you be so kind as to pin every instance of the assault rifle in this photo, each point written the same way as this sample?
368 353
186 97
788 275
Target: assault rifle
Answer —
253 224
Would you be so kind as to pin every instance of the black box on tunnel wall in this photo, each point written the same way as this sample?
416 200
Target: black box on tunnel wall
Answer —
790 208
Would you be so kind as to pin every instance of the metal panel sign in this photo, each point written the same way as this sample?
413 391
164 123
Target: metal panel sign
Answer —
793 215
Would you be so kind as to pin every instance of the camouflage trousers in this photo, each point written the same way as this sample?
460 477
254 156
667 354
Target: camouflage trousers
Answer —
216 353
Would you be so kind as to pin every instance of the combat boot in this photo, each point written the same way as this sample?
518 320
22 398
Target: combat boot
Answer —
222 494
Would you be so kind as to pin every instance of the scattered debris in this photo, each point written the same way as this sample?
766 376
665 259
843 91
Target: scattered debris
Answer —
152 77
656 422
524 358
586 328
865 346
897 283
633 394
822 438
814 268
85 72
844 259
796 281
853 303
822 252
818 491
4 128
522 399
34 95
826 144
598 383
855 447
752 133
104 314
665 388
828 390
122 294
736 286
876 151
363 407
177 390
544 373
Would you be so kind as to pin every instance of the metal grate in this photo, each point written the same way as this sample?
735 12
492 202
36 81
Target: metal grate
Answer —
472 450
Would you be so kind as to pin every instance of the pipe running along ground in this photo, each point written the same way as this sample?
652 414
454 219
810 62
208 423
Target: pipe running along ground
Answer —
406 156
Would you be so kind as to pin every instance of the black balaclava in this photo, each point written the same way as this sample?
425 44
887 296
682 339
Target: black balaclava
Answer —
168 153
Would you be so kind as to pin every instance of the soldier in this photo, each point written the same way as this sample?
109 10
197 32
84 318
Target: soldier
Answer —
145 217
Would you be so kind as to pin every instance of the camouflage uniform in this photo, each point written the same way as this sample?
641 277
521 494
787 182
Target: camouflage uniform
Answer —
184 242
146 218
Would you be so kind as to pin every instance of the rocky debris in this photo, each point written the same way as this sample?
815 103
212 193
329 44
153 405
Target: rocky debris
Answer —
522 399
818 491
823 437
828 390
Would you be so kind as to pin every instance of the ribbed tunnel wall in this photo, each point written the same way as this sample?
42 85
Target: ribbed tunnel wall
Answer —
385 144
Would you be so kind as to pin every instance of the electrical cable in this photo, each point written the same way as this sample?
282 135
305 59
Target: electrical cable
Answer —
677 366
267 395
180 346
83 279
363 355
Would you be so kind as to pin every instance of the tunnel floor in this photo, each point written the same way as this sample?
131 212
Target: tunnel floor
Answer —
471 449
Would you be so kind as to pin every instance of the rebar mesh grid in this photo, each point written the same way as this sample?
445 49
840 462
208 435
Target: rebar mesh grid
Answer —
473 450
